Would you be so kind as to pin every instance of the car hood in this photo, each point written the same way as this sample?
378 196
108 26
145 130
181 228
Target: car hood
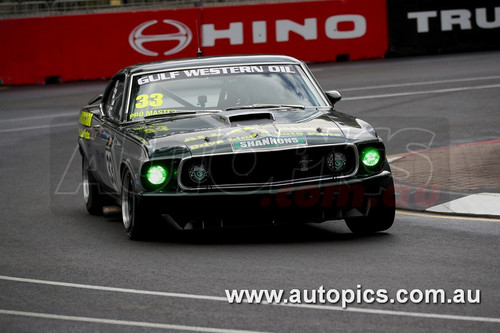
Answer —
239 131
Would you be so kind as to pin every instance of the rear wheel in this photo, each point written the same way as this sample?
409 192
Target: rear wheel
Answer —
94 200
135 219
381 214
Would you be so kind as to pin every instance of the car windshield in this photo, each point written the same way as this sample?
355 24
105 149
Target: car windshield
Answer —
220 88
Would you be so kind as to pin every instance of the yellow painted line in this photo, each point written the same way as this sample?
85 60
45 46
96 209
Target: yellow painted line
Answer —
396 155
449 217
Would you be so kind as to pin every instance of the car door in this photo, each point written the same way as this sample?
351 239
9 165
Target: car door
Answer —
107 133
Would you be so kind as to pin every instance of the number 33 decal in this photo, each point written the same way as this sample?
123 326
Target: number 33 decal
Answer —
153 100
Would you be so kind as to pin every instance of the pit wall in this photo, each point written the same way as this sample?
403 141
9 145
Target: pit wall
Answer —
93 46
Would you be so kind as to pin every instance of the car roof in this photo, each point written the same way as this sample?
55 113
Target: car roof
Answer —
208 62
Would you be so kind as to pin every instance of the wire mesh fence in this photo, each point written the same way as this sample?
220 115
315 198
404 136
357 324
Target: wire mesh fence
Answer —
25 8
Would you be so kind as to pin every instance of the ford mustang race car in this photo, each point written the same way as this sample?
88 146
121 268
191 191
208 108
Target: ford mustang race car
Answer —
216 142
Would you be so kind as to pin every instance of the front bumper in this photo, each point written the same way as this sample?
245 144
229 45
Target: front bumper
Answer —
286 205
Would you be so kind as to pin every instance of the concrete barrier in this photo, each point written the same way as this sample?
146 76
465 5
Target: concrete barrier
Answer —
92 46
439 26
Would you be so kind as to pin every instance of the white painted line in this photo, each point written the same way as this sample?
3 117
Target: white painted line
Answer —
121 290
224 299
33 128
449 217
396 313
479 204
412 84
47 116
412 93
122 322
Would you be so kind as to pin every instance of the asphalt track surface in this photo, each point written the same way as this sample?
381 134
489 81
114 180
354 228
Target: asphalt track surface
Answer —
62 270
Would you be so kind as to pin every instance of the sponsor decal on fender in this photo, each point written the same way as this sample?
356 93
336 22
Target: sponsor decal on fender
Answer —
84 134
85 118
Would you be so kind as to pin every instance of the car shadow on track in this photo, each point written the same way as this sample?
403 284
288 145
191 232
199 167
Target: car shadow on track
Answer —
284 234
331 231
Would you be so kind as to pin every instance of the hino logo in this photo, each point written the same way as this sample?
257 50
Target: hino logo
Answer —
136 38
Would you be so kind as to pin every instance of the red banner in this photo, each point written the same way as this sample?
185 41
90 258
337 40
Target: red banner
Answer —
79 47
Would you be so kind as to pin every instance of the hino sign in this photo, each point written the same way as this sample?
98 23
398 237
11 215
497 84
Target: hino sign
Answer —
282 28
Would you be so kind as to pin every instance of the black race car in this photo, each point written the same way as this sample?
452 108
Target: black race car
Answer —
224 141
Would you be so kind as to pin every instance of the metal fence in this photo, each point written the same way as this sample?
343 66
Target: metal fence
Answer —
13 9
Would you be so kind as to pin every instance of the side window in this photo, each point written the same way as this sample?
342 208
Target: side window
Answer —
114 99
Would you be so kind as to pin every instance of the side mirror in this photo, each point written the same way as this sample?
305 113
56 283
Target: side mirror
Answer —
333 96
96 110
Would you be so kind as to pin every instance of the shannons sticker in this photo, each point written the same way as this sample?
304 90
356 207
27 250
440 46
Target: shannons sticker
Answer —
269 142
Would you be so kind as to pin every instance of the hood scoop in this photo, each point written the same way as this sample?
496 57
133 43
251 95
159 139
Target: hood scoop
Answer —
249 118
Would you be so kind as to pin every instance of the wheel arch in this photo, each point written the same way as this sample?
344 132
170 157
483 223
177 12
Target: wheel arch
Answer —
126 166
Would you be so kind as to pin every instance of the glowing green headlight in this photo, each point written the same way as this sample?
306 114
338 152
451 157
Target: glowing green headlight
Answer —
370 157
156 174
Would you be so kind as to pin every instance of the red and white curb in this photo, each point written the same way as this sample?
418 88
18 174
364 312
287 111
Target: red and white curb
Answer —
474 204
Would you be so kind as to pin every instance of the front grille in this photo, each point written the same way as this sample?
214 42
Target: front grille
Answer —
258 168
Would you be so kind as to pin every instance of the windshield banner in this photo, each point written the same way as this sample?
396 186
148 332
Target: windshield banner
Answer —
213 71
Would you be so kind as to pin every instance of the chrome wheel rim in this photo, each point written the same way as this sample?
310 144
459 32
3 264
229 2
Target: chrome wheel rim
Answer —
85 181
127 203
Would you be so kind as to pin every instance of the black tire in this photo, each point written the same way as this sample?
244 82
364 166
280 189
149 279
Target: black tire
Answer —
381 216
135 219
94 200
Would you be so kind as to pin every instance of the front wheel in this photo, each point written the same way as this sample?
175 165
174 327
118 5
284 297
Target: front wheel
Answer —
380 216
135 219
